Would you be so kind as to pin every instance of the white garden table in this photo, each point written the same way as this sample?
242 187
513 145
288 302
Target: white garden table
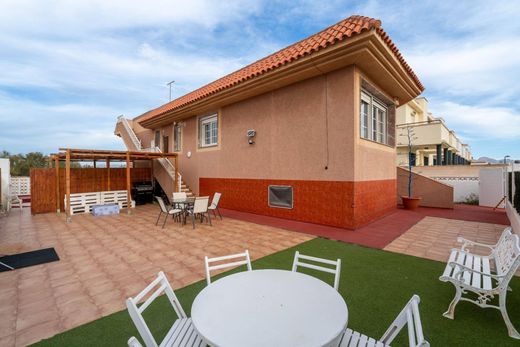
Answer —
269 308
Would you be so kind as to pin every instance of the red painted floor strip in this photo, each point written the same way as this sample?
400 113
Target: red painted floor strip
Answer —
381 232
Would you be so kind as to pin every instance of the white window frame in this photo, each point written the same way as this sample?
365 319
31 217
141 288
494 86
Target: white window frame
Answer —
374 126
177 137
213 138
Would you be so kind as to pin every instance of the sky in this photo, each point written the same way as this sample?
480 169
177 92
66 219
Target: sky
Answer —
69 68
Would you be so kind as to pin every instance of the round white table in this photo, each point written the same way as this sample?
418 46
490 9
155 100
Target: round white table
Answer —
269 308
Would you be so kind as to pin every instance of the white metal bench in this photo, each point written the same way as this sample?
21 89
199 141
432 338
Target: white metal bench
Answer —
83 202
484 275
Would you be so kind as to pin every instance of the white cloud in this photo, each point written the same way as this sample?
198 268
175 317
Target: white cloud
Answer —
477 122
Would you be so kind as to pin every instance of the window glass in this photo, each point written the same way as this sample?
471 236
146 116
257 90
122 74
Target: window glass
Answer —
208 131
364 118
373 118
177 138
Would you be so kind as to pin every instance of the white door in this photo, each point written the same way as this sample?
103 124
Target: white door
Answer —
491 187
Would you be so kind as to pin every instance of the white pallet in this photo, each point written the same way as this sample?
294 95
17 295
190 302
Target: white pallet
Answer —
83 202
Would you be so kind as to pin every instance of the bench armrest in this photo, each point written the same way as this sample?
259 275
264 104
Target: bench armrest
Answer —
466 243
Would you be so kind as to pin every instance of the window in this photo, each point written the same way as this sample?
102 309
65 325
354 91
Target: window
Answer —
177 133
157 139
208 131
373 119
365 105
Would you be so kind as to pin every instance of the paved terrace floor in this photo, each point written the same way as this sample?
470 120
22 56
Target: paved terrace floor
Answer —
384 231
104 260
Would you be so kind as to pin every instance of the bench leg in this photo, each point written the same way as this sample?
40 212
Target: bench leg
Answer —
451 310
503 309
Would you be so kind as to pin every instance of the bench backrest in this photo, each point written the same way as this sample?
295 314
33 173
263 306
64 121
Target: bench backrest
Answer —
507 256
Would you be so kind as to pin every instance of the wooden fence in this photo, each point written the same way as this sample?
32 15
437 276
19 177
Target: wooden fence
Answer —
43 184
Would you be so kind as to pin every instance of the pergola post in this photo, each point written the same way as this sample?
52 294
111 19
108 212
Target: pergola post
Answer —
128 184
176 175
57 172
67 184
108 174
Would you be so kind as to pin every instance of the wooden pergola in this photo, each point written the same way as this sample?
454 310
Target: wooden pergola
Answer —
69 155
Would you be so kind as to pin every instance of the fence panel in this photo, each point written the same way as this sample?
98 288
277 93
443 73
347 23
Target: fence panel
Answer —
83 180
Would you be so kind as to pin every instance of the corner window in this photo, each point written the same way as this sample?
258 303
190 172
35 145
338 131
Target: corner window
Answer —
177 137
157 139
373 119
208 131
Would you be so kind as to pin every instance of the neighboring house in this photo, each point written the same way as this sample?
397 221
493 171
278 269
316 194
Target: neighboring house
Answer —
316 118
435 143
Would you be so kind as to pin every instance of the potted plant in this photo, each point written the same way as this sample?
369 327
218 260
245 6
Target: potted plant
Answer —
410 202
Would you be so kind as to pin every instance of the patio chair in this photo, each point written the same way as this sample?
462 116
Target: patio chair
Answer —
179 195
174 212
336 270
200 210
182 332
409 315
246 260
214 205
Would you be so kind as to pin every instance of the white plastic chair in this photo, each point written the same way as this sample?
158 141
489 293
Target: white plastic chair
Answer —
336 270
200 209
178 196
182 332
409 315
214 204
172 212
246 260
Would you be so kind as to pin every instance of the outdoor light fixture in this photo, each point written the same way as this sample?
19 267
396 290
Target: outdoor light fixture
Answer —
188 154
251 133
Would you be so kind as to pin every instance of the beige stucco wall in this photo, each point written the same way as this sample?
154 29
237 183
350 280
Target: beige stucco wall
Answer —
292 125
373 161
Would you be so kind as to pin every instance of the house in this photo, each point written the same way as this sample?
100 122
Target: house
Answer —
434 143
306 133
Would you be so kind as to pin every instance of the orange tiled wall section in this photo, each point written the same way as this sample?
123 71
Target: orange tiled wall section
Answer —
334 203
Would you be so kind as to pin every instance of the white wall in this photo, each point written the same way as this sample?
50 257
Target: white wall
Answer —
463 187
491 187
514 217
4 180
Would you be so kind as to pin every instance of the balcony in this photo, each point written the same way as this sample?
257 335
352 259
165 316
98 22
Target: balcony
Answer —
429 133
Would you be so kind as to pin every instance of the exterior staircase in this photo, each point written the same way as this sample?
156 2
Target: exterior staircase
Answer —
163 173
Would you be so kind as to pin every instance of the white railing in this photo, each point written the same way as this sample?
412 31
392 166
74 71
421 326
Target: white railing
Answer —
166 163
130 132
168 166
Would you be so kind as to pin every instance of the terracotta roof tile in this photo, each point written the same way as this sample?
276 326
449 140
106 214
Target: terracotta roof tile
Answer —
338 32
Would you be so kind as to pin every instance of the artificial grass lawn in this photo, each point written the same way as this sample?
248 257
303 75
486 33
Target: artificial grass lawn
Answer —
375 284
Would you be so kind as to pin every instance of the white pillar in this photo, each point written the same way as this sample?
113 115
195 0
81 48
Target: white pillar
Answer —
431 157
418 158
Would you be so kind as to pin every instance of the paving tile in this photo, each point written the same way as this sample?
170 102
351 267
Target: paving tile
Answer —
433 237
105 260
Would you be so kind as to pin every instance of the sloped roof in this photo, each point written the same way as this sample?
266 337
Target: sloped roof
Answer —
338 32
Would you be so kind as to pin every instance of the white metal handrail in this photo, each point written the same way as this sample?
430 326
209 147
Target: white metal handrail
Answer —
167 164
131 133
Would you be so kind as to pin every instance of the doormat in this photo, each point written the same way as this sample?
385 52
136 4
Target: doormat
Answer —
26 259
